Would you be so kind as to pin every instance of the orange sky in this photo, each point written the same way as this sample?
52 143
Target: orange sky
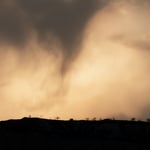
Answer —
109 77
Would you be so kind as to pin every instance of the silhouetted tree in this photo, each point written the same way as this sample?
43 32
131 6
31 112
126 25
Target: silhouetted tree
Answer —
94 119
71 119
148 119
133 119
57 118
87 119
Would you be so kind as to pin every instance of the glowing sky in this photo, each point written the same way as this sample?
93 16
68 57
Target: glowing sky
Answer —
74 58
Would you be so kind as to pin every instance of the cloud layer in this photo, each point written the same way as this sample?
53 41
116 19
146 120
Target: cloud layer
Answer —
74 58
48 19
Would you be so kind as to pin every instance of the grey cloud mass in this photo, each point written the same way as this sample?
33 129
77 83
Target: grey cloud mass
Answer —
47 18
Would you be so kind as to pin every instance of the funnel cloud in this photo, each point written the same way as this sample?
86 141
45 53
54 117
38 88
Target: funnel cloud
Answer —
48 19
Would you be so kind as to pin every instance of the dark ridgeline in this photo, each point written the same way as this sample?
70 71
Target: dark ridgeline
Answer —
44 134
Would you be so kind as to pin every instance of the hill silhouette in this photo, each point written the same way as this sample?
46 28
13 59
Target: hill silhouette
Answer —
37 133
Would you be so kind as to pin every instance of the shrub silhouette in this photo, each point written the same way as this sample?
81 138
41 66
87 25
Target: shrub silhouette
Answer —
94 119
148 119
57 118
133 119
87 119
71 119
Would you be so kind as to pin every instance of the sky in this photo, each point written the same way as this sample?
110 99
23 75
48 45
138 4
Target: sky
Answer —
75 59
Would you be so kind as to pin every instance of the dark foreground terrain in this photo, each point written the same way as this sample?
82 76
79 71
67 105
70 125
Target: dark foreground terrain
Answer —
43 134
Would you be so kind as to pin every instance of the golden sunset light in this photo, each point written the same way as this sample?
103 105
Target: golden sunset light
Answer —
74 59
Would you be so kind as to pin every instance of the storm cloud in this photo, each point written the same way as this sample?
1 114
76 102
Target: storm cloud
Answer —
74 58
48 19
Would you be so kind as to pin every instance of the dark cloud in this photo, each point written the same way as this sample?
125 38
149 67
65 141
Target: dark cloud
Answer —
65 20
12 24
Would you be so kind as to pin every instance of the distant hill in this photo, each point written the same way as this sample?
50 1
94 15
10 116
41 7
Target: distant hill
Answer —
44 134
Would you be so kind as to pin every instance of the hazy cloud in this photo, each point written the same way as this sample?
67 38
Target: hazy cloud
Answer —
65 20
107 41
